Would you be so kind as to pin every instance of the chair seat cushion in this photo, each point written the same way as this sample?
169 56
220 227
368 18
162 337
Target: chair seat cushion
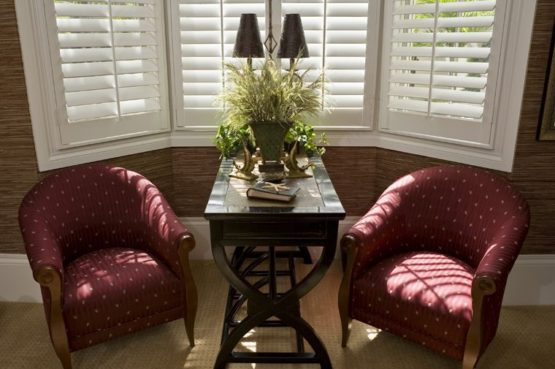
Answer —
114 286
422 296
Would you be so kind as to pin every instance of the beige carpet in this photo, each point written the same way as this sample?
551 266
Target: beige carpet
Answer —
526 338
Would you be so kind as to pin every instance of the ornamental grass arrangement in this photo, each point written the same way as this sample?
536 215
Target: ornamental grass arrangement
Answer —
269 95
267 102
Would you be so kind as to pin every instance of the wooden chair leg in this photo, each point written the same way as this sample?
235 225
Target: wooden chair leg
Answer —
481 287
348 245
191 297
64 355
51 279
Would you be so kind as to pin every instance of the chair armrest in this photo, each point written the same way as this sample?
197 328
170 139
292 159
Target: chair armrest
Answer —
502 252
42 248
376 234
165 231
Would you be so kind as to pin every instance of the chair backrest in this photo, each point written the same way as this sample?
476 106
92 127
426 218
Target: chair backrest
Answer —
92 206
455 210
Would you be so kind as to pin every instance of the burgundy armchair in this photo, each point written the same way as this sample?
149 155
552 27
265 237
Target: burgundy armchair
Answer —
110 255
430 260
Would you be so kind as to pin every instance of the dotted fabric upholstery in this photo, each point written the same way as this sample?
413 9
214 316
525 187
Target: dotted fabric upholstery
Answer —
83 221
426 295
116 286
461 212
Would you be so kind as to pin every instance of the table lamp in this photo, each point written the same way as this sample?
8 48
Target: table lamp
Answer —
247 43
292 43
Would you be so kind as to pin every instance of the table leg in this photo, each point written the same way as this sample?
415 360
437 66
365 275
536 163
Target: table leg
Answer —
266 308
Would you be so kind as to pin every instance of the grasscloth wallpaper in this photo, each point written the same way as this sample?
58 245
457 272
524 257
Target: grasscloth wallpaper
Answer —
185 175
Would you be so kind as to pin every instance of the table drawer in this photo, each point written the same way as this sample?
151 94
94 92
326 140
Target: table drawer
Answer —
239 230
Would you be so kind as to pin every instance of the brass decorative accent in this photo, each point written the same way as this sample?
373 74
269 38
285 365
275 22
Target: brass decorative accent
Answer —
294 169
270 43
249 161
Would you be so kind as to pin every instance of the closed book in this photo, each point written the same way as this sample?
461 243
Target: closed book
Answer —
271 191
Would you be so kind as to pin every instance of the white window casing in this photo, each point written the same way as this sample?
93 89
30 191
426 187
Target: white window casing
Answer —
100 70
439 68
458 128
401 75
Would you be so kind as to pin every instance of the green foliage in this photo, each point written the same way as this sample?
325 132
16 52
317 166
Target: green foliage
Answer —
304 134
229 140
268 95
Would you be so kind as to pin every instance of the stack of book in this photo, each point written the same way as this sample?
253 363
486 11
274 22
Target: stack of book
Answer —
272 191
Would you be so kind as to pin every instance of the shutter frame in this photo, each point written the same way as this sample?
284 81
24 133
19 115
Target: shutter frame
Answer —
460 130
85 122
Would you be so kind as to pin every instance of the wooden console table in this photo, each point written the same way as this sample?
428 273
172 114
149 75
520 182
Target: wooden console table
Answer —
248 226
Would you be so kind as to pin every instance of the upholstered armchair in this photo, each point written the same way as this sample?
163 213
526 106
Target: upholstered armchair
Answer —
430 260
110 255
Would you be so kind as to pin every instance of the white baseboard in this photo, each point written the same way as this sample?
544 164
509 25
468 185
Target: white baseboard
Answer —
16 279
531 282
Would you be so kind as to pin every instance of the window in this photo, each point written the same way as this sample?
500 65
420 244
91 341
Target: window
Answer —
452 78
96 75
440 78
204 36
335 32
110 57
440 63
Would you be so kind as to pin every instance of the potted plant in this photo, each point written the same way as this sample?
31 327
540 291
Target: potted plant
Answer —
268 101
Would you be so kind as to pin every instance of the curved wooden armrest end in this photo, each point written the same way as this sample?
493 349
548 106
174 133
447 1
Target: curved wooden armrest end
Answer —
48 277
348 242
484 285
186 243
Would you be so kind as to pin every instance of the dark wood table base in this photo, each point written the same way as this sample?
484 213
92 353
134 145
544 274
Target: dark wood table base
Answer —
262 306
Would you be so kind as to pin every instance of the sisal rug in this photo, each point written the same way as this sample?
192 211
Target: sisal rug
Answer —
526 337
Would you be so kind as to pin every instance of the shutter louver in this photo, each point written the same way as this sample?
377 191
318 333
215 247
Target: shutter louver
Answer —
336 35
109 57
440 57
207 35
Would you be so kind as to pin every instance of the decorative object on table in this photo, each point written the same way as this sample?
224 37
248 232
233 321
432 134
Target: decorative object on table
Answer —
292 44
546 129
232 142
417 268
269 101
110 255
301 136
273 191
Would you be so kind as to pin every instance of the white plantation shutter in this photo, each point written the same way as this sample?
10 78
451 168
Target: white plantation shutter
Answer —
207 31
111 57
336 35
440 63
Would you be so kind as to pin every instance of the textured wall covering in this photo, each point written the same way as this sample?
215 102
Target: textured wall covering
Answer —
18 164
194 170
185 175
534 167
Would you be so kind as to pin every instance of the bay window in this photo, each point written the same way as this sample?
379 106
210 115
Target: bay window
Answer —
440 78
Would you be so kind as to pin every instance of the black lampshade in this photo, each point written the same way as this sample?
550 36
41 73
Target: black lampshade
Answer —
292 38
247 43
